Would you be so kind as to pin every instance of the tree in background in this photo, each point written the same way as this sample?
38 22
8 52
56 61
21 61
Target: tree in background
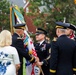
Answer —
53 10
4 14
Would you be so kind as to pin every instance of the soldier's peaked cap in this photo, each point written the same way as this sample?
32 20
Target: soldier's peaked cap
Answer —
19 26
41 31
62 25
73 27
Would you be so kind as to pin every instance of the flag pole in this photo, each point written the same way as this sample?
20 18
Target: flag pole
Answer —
11 26
11 19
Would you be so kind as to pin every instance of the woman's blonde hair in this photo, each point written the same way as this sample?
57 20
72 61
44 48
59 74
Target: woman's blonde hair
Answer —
5 38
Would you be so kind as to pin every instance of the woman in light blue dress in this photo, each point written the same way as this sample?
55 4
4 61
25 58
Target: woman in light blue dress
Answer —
9 59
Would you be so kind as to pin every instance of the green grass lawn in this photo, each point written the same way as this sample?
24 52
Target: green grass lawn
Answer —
24 70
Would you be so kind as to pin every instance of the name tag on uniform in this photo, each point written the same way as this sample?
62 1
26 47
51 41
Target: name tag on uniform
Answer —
19 38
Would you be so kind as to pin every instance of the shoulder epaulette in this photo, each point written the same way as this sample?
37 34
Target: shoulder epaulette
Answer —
74 69
54 39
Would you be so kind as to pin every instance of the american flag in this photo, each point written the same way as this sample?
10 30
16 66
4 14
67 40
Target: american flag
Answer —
30 47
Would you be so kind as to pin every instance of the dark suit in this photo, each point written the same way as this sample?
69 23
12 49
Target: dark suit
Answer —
43 52
17 42
63 56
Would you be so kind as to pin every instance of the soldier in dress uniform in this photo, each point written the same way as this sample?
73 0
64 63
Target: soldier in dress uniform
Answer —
63 53
70 31
43 50
17 42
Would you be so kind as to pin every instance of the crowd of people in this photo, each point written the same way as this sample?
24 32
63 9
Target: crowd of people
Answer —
57 57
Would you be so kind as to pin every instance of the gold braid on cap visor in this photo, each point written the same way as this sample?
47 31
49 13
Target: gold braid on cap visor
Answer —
59 27
21 27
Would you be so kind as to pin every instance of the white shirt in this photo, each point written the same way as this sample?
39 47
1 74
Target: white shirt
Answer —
8 59
41 42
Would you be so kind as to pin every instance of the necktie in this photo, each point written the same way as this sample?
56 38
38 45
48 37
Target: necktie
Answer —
38 44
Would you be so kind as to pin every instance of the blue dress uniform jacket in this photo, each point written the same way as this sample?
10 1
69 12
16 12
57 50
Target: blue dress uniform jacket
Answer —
17 42
63 56
43 52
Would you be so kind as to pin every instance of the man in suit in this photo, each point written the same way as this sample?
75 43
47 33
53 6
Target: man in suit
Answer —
63 53
17 42
43 50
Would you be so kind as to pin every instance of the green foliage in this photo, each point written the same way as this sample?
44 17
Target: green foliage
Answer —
37 22
4 14
60 9
22 10
64 8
